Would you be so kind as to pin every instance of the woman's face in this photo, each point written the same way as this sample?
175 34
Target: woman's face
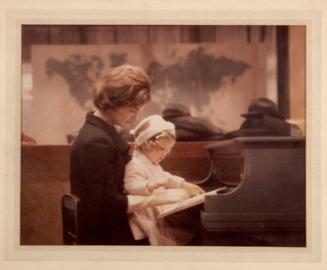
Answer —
125 116
158 153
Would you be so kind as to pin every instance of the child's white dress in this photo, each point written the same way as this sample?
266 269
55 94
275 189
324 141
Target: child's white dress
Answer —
139 171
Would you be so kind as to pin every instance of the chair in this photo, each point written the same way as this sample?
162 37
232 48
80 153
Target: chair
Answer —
71 219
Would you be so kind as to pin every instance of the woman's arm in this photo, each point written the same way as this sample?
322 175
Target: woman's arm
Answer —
101 188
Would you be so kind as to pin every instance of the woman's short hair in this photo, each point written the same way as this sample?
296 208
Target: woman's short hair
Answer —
123 86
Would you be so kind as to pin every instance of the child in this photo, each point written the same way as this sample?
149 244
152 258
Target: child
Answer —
154 138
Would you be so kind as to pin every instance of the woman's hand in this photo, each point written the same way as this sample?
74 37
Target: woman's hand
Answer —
192 189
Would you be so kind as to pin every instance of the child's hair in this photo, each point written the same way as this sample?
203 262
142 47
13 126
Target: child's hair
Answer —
123 86
155 141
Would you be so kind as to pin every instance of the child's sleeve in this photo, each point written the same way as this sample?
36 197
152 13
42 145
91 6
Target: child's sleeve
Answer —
175 181
135 182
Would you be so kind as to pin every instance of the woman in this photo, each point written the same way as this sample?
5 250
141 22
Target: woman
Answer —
99 156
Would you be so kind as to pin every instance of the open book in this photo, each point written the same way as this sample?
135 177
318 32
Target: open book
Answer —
182 205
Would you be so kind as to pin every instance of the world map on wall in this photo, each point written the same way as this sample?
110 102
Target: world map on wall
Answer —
188 78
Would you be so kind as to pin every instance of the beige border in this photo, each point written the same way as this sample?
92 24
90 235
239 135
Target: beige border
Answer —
19 13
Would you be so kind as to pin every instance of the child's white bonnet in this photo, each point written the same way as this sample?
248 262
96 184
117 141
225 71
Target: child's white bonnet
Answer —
150 126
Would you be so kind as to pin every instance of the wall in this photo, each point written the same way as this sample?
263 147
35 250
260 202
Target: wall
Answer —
217 80
297 74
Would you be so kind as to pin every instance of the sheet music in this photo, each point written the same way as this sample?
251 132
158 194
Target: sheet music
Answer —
182 205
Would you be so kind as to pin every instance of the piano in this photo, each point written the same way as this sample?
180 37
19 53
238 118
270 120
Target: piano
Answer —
266 205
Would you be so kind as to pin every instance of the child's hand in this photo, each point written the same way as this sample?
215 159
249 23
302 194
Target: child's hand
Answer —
154 184
192 189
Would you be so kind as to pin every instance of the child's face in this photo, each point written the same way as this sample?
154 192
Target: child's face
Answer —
158 153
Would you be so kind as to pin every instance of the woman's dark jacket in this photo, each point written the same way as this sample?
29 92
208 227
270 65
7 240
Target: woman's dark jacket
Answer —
97 165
